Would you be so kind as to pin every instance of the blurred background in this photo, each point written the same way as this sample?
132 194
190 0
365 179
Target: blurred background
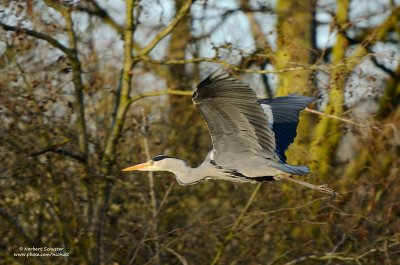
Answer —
90 87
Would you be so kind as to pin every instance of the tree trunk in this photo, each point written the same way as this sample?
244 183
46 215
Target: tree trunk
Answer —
295 44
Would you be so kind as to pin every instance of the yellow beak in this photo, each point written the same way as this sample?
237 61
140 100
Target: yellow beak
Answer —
137 167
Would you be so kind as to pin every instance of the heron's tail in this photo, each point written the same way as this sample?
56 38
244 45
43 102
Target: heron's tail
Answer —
295 170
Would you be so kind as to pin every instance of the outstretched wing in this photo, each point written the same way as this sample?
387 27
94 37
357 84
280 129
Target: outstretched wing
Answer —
238 126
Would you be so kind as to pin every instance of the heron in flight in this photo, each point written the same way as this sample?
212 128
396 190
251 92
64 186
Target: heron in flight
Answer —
249 136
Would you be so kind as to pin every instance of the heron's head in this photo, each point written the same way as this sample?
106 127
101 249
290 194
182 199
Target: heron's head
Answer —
158 163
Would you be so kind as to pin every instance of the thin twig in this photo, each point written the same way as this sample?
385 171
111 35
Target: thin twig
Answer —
160 93
227 65
77 157
391 125
320 257
153 199
339 118
167 30
17 227
344 237
94 9
340 256
136 252
164 199
177 255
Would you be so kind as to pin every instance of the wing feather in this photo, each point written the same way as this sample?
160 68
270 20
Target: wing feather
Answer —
237 123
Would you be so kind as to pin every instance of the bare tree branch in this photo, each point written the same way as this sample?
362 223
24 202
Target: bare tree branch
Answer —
388 71
227 65
160 93
153 199
181 258
341 256
40 36
94 9
167 30
17 227
108 159
78 157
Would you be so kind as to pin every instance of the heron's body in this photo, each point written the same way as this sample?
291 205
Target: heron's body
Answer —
249 136
187 175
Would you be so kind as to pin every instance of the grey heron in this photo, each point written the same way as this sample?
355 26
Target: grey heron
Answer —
249 136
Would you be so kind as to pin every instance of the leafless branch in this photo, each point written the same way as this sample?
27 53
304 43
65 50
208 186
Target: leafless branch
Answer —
160 93
40 36
321 67
164 199
388 71
94 9
108 160
167 30
344 237
341 256
78 157
153 198
177 255
17 227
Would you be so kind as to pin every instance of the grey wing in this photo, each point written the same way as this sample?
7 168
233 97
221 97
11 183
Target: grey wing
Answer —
241 136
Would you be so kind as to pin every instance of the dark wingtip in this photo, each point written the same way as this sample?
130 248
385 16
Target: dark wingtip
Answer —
217 74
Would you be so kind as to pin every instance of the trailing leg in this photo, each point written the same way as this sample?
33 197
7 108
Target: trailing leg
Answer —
320 188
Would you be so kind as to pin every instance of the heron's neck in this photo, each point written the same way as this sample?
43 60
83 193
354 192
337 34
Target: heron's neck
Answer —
185 174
